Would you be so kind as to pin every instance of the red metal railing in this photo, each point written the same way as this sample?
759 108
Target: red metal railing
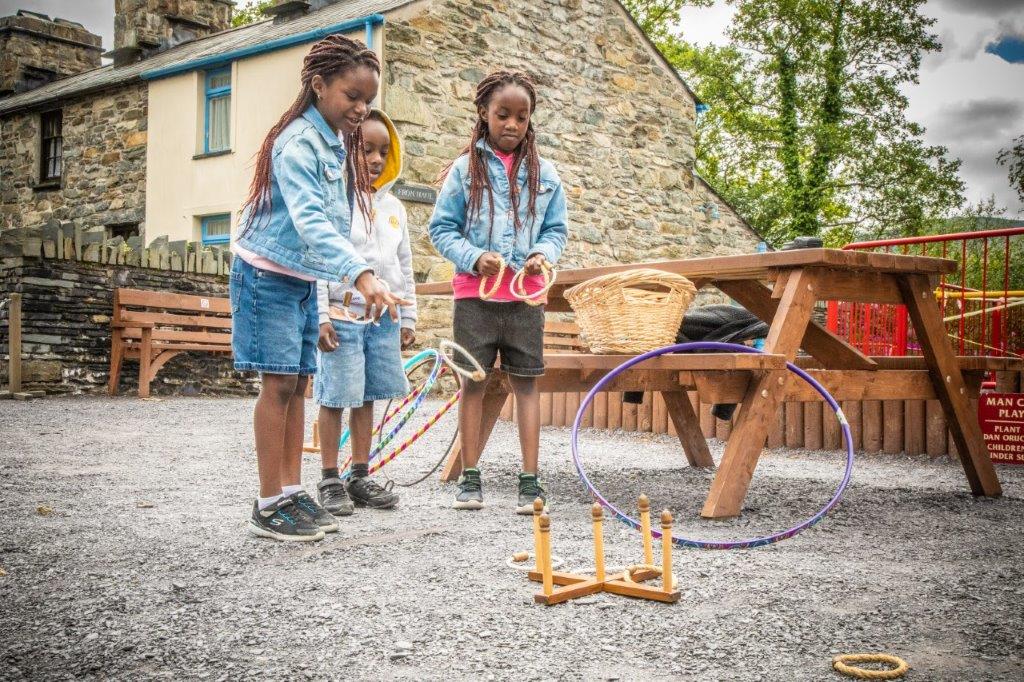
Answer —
982 304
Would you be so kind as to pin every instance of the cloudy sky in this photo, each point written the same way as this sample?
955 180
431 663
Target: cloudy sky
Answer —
970 96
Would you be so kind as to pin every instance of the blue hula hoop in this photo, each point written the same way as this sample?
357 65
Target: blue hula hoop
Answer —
713 544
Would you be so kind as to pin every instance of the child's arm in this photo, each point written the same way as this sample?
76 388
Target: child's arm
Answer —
448 222
554 229
295 167
323 301
408 312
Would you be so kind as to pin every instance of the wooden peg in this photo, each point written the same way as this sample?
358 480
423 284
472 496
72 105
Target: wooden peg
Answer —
316 434
346 301
645 528
545 544
666 551
538 509
597 512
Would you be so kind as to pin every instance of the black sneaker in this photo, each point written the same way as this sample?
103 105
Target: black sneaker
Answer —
470 494
366 492
334 498
283 521
529 490
314 512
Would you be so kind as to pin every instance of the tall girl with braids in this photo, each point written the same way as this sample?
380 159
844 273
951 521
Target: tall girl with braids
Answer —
500 204
295 227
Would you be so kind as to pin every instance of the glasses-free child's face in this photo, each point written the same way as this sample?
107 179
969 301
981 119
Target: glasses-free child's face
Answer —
508 117
376 145
344 101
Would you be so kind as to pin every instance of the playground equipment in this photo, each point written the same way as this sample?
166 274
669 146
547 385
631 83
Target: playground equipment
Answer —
628 583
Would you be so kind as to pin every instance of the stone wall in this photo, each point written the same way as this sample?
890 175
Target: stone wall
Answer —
164 23
66 307
616 123
35 50
104 171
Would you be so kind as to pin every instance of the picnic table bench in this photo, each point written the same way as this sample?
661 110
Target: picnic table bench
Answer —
155 326
781 288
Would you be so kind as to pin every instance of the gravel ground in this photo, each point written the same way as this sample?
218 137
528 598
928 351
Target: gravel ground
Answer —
124 555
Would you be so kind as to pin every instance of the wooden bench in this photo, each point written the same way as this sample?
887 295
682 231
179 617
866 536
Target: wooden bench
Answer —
155 326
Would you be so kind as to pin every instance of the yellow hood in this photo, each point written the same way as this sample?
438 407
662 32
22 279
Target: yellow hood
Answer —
393 166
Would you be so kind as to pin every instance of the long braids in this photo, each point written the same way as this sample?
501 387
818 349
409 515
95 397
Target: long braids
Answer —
526 152
328 58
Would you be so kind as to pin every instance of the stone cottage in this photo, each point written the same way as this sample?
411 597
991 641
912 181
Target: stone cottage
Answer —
160 142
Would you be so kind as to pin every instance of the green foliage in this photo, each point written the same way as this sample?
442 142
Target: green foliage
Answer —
1013 159
249 12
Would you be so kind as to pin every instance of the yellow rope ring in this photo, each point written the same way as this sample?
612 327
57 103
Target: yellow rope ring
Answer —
518 287
345 315
448 349
840 663
627 575
484 295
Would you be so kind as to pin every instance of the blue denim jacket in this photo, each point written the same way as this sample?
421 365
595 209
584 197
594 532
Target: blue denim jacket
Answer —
463 244
308 225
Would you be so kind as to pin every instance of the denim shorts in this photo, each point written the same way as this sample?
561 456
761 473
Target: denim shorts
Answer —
514 329
366 365
273 321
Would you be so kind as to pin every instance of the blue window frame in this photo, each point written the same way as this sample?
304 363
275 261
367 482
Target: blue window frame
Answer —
216 229
217 116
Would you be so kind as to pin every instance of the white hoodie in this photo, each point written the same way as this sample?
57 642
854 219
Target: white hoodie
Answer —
385 246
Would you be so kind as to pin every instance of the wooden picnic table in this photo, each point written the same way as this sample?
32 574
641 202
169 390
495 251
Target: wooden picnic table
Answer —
781 288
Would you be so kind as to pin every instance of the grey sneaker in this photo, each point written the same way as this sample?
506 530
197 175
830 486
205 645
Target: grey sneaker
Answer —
334 498
529 490
314 512
283 521
366 492
470 494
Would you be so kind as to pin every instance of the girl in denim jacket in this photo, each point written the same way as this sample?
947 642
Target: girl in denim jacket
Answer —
500 202
295 227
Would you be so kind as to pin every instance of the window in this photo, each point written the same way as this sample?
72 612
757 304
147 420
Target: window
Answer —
51 149
216 229
217 128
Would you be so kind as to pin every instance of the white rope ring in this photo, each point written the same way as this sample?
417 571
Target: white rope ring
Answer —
485 295
530 564
345 315
627 575
449 348
518 284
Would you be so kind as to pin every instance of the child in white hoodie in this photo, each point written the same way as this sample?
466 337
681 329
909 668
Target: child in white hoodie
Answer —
359 364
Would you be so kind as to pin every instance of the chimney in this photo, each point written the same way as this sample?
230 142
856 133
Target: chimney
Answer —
144 27
283 10
35 50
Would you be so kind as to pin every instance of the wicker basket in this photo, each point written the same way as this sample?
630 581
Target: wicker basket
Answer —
616 315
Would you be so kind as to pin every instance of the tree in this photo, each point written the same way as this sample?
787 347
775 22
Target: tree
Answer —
806 132
250 12
1013 158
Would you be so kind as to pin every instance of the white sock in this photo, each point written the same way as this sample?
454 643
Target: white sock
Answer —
289 490
265 502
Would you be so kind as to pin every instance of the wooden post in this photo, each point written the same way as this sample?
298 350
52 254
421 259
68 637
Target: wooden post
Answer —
545 544
666 551
316 434
645 528
597 513
538 554
14 344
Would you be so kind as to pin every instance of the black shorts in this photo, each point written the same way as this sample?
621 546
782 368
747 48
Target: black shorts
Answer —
514 329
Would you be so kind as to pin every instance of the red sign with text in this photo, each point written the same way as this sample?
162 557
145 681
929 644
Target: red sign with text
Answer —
1001 416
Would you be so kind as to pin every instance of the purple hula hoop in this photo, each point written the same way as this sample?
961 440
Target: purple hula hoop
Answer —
713 544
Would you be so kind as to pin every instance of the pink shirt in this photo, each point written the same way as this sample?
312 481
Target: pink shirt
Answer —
262 263
506 160
465 285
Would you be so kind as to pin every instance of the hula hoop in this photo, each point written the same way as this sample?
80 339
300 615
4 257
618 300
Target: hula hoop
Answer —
485 295
518 287
447 349
712 544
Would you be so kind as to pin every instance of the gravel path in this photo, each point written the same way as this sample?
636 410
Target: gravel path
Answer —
124 555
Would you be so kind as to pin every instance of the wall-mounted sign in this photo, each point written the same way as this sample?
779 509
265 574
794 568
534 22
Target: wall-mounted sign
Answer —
1001 416
418 193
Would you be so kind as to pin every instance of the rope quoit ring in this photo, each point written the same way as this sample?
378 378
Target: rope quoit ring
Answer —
627 574
518 284
485 295
447 349
528 564
841 665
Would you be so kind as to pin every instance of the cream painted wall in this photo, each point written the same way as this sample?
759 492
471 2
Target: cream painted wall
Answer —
180 188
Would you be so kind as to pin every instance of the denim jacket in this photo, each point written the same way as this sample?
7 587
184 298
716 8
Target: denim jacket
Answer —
463 244
308 225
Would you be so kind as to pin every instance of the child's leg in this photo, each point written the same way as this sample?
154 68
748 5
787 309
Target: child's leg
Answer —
360 423
528 417
471 416
294 427
269 420
329 423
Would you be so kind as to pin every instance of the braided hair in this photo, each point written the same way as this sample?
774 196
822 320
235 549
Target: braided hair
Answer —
526 152
329 58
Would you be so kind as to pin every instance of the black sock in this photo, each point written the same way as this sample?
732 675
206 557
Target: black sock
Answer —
329 473
360 470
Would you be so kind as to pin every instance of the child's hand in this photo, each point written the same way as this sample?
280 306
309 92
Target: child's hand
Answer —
489 264
408 338
328 342
535 264
378 297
